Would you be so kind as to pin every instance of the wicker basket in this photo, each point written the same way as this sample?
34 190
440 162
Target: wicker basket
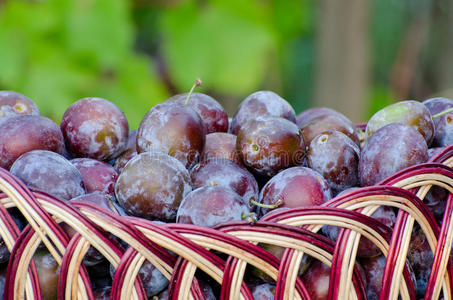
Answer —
235 244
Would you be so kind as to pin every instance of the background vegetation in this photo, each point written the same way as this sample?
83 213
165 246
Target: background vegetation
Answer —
352 55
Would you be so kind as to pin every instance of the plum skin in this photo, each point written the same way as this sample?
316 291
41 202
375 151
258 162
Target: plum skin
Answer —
269 144
174 130
259 104
152 186
390 149
295 187
22 134
211 205
95 128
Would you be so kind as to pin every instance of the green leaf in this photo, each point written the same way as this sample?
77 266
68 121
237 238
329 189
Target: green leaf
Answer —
134 88
59 51
225 49
99 30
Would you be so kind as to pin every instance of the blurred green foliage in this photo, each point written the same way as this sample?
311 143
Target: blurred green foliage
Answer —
137 53
58 51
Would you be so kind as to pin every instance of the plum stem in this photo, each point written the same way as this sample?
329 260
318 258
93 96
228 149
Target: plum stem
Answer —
444 112
197 83
269 206
250 217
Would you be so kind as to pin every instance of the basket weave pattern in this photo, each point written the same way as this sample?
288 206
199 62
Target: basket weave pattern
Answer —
295 229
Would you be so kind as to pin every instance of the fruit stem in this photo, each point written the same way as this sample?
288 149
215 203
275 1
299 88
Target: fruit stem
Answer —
197 83
442 113
269 206
250 217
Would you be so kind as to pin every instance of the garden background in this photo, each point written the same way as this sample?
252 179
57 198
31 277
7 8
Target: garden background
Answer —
352 55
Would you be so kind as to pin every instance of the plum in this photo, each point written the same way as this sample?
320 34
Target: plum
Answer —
224 172
269 144
278 252
13 103
123 159
48 271
173 129
316 280
329 122
261 103
392 148
421 259
295 187
102 293
443 134
336 157
49 172
221 145
211 112
374 271
97 175
132 139
21 134
153 280
152 186
95 128
383 214
2 281
93 257
411 113
264 291
309 114
102 200
436 201
209 206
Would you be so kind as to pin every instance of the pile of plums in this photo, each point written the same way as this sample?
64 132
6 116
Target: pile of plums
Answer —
188 162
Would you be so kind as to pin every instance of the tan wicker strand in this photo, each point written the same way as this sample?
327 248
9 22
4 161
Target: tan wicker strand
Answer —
25 261
367 205
406 239
92 238
422 184
431 238
59 215
347 267
186 283
400 263
426 179
8 202
447 183
22 268
72 286
292 275
280 241
210 243
444 260
35 221
187 254
423 190
448 162
316 222
131 274
9 242
165 269
226 248
238 276
326 220
396 202
285 242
